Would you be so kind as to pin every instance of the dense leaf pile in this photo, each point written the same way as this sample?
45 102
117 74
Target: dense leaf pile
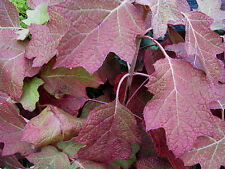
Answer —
112 84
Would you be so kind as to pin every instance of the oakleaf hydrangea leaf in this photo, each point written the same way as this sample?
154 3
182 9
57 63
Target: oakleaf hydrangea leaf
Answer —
49 157
30 94
108 133
37 16
126 164
70 148
97 29
205 43
208 151
212 9
34 3
152 163
11 55
9 16
50 126
11 128
180 104
164 12
83 164
62 81
45 38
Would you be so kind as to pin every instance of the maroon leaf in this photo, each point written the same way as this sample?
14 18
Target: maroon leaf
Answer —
10 162
108 133
208 151
62 81
180 104
97 29
203 42
153 163
45 38
51 126
11 128
11 55
9 16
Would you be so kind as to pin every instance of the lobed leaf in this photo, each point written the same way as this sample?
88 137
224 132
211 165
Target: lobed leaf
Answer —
108 133
180 104
11 128
203 42
208 151
45 38
11 55
97 29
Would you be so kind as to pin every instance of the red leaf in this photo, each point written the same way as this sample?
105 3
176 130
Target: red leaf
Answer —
51 126
159 138
164 12
212 9
181 52
45 38
180 104
108 133
153 163
67 103
208 151
98 28
11 55
9 16
33 3
203 42
11 128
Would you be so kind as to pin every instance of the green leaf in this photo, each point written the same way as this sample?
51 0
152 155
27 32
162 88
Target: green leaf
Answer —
70 147
125 164
49 157
37 16
30 94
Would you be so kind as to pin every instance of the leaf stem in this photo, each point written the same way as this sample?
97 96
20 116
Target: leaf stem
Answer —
158 44
136 91
131 71
222 109
97 101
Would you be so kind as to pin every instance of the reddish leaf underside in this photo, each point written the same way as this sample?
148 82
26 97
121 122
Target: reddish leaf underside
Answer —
46 38
205 43
108 134
11 55
9 16
62 81
208 151
51 126
11 128
97 29
180 104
